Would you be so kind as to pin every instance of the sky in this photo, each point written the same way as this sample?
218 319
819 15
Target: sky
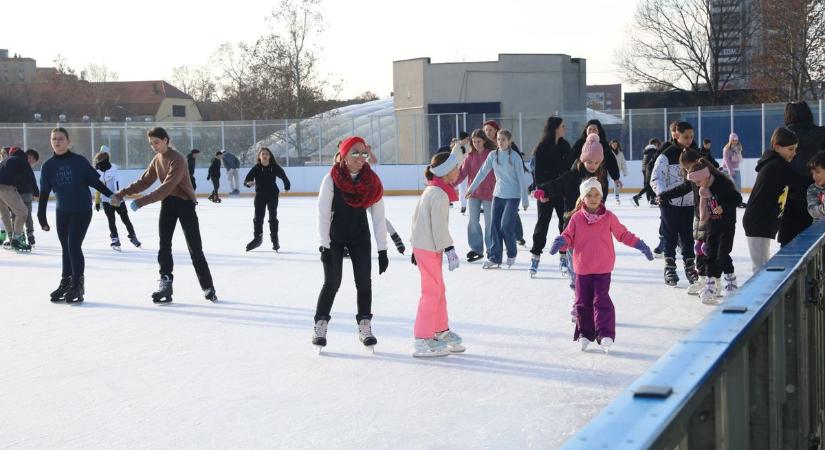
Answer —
361 38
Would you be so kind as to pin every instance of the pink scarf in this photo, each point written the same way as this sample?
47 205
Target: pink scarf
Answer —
704 202
451 193
594 217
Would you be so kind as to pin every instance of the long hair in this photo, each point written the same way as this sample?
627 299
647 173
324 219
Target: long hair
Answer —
618 147
271 156
798 113
480 134
548 138
602 134
506 133
599 173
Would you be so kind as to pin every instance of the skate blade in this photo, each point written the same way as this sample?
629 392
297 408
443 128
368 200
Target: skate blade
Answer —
369 349
425 355
457 349
319 349
117 249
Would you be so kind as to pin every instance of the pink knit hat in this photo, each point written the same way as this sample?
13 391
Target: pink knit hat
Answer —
733 137
592 149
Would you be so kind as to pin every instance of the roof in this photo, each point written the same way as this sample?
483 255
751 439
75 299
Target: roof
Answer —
152 91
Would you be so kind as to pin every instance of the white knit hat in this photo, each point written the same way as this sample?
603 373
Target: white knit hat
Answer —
588 184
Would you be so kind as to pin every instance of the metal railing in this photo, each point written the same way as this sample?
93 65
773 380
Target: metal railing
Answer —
402 138
750 376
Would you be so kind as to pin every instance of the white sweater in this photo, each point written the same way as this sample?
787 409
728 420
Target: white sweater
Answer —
379 222
430 221
109 178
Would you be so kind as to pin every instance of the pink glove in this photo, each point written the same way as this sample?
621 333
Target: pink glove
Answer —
538 194
699 248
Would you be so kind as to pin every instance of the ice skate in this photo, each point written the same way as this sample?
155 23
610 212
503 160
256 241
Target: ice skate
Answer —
658 252
19 244
319 335
164 292
30 238
451 340
428 348
115 244
605 344
696 288
365 335
58 294
254 243
473 256
521 242
671 278
2 236
134 240
491 265
730 283
709 293
276 246
635 201
563 265
534 265
690 270
584 343
463 210
75 293
618 201
511 261
209 294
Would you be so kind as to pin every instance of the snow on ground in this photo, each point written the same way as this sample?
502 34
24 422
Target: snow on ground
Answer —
121 372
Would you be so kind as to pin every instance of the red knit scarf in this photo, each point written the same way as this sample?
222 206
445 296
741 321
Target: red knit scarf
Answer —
363 192
452 195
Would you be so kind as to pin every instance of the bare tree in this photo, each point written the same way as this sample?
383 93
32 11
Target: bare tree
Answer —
235 79
792 60
196 81
103 95
688 45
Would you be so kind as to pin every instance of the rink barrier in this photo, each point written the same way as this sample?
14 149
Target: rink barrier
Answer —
750 376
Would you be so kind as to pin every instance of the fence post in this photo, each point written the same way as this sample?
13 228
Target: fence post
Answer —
320 144
191 136
415 135
731 118
223 141
520 134
465 120
25 137
630 132
667 132
699 122
762 139
92 134
379 141
438 127
456 126
820 112
126 141
254 133
286 140
483 118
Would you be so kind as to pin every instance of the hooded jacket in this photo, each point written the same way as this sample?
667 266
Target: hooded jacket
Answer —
667 174
774 178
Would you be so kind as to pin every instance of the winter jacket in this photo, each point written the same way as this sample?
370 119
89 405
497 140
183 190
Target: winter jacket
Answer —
621 162
109 178
811 140
567 186
816 202
231 161
667 174
795 218
508 168
169 168
699 228
265 178
649 158
774 177
191 163
469 170
723 193
732 157
708 157
214 170
609 158
16 171
593 242
70 176
339 222
550 161
431 221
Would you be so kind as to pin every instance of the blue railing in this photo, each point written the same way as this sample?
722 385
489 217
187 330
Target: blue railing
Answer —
750 376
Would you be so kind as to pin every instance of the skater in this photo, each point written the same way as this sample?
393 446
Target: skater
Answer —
232 164
616 148
464 142
648 158
16 176
491 129
28 191
350 188
800 120
481 199
677 214
510 187
192 163
774 178
108 175
594 126
431 243
214 174
70 176
552 157
706 153
731 160
718 200
816 191
177 205
263 176
589 233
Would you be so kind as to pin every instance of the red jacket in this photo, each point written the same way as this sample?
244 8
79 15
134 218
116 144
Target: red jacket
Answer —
472 164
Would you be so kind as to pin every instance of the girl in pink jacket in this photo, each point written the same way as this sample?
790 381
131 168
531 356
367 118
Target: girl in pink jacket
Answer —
590 233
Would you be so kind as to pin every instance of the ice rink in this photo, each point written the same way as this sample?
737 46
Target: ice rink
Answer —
119 371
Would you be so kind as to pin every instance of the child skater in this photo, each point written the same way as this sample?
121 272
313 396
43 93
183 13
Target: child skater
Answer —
718 200
816 191
511 187
263 176
589 234
108 175
431 240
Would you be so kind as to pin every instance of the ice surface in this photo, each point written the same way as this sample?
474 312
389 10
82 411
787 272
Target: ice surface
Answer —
120 372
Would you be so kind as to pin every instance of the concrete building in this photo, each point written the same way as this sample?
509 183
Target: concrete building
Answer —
16 69
434 101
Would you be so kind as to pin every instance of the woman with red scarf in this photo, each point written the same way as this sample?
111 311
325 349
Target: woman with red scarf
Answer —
349 189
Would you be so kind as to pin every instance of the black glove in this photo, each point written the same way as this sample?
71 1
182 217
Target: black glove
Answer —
383 261
399 244
412 260
97 206
287 187
326 254
41 217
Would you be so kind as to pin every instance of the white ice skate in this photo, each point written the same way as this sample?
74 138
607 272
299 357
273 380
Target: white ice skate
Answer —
696 288
490 265
428 348
534 265
365 335
563 267
319 335
511 261
606 343
115 244
730 283
452 340
584 343
710 294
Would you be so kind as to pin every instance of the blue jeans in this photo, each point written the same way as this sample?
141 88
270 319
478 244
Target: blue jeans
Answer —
477 238
505 211
737 179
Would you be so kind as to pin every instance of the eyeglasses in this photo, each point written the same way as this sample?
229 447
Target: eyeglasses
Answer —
358 154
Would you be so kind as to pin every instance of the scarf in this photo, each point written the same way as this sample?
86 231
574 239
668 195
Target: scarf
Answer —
451 193
704 202
594 217
363 191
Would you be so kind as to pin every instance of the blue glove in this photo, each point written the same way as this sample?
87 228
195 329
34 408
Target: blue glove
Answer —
133 205
642 247
558 243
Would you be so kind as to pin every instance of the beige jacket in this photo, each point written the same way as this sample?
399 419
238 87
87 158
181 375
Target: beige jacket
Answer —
431 220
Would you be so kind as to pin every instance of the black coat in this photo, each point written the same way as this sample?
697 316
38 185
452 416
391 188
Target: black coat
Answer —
265 178
610 162
725 194
214 170
16 171
709 157
774 177
795 218
567 185
551 160
191 163
649 159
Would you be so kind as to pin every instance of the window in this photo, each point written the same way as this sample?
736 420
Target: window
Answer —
178 111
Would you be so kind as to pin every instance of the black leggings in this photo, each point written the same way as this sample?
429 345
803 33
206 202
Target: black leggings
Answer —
172 210
110 211
646 189
543 223
333 265
720 244
264 203
71 230
677 226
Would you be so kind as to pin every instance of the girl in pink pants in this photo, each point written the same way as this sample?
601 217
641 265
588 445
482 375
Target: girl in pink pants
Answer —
431 240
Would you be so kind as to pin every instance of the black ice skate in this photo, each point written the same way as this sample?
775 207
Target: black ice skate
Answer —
31 240
671 278
276 246
209 294
254 243
691 273
75 293
58 294
134 240
164 292
19 244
